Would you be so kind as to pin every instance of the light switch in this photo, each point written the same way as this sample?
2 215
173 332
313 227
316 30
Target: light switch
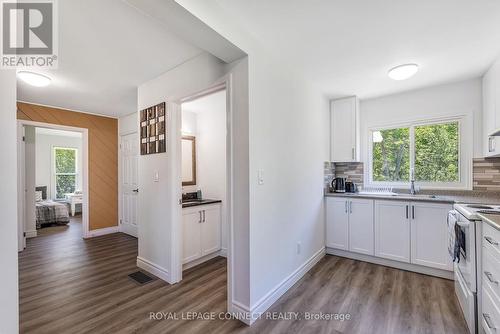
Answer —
260 176
156 177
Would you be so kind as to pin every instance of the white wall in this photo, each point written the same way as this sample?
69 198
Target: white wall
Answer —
455 99
9 305
30 180
156 198
288 140
205 119
128 124
44 159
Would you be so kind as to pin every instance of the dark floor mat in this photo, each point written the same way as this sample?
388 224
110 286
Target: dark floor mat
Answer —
141 278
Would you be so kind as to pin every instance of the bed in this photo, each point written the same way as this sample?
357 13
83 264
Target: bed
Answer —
49 212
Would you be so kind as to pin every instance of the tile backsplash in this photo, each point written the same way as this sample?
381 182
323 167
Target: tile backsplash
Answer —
486 174
353 171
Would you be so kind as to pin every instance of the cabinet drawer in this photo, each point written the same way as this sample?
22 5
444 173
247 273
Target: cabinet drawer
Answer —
491 240
491 274
490 317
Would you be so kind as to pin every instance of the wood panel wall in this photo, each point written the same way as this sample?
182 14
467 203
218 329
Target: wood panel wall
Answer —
103 157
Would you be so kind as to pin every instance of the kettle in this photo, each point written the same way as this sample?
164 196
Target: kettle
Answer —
338 184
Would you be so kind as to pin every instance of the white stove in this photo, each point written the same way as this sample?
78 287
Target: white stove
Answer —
470 211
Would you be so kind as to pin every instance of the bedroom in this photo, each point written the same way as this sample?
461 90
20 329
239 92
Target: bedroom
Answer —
53 179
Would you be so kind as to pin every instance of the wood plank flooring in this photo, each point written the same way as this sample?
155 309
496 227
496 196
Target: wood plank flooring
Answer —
71 285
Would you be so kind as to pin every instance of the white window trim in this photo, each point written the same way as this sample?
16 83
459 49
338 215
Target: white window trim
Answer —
464 156
54 173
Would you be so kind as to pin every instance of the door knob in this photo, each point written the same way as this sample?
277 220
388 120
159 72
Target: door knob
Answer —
136 190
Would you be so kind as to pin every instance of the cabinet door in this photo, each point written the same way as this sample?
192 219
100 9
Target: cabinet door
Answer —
191 236
491 110
361 226
343 129
392 230
211 230
337 223
429 235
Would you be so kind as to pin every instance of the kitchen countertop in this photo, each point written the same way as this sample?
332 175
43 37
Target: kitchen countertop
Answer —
200 202
493 220
424 198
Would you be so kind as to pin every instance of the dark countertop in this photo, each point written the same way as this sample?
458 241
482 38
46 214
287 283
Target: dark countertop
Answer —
439 198
493 220
200 202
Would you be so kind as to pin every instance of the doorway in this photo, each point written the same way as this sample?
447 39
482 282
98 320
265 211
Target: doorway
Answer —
53 182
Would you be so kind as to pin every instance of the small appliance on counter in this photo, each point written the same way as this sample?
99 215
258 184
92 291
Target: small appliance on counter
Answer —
351 187
338 184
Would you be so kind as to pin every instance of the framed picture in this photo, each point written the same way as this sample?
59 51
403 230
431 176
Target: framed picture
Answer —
153 129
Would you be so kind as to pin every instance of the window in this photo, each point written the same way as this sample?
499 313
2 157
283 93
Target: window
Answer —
430 151
65 171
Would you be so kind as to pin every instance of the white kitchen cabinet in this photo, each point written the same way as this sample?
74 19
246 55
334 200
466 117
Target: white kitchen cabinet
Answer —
429 233
337 223
344 130
361 226
491 110
350 224
201 231
392 230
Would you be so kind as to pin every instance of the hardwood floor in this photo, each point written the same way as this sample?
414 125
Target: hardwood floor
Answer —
71 285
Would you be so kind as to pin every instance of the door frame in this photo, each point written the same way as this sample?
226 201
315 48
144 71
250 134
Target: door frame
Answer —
224 83
85 167
120 177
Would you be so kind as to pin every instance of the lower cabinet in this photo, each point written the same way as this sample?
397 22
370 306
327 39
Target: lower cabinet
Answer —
201 231
411 232
350 224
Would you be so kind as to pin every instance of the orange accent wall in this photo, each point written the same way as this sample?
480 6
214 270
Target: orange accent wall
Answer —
103 157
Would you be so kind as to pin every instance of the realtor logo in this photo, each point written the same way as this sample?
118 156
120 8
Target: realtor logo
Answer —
29 34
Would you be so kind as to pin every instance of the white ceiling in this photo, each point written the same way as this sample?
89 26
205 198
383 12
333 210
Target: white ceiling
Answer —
55 132
347 47
106 49
211 101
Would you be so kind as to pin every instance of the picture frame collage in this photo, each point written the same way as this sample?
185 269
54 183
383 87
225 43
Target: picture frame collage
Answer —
153 129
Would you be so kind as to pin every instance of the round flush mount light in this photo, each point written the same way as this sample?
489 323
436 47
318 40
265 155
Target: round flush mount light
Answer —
403 72
34 79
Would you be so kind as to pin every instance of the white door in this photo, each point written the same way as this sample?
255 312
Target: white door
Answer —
429 235
361 226
392 230
129 147
343 128
337 223
191 225
211 230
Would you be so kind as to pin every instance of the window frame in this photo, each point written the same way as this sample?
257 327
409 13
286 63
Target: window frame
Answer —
55 173
464 170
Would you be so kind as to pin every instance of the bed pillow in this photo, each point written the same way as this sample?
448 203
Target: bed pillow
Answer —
38 196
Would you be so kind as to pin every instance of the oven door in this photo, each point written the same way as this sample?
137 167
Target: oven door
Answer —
467 264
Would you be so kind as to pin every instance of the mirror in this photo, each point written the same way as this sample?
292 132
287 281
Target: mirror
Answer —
188 160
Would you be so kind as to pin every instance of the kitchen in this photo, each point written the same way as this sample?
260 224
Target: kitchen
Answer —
422 193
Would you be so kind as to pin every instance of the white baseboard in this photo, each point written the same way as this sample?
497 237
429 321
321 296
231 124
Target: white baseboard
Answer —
223 252
102 231
240 312
154 269
279 290
391 263
130 230
205 258
31 234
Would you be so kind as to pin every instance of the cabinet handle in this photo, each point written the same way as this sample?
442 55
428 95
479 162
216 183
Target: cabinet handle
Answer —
350 207
491 241
203 215
487 318
200 216
413 212
407 212
352 150
490 277
346 206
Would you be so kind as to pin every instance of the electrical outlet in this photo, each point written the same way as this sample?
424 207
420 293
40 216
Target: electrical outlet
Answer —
156 176
298 247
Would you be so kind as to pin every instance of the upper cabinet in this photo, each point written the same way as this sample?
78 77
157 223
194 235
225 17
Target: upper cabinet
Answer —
344 130
491 111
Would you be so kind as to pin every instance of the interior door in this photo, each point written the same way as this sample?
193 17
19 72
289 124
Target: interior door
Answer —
392 230
129 146
211 230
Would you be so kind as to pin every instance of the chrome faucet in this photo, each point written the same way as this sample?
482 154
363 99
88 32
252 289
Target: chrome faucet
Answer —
413 191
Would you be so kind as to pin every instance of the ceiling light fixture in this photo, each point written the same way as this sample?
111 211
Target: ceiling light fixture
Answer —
34 79
403 72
